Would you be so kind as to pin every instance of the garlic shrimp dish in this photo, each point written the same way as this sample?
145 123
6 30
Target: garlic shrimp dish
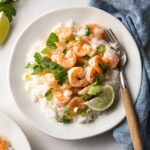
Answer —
73 74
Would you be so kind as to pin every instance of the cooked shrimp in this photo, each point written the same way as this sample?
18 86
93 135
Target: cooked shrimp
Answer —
96 30
111 57
67 60
90 74
94 62
62 96
4 144
66 86
76 77
82 48
76 102
64 33
56 53
82 60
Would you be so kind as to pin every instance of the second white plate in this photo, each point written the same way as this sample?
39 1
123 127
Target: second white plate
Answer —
10 130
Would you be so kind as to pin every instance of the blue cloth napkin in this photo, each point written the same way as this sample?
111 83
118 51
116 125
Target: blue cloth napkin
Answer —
135 15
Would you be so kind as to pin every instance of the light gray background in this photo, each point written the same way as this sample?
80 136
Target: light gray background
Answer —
28 10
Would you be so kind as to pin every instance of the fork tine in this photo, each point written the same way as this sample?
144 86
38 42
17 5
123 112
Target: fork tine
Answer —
114 37
108 36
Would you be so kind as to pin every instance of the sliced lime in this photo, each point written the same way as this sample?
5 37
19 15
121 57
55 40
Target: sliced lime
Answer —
103 101
4 27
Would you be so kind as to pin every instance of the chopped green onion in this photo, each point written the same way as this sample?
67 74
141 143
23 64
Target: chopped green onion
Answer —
83 111
101 48
78 38
87 31
86 57
65 51
79 64
69 111
28 65
65 119
103 67
99 80
48 95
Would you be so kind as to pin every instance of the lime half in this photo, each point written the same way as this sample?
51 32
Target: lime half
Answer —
103 101
4 27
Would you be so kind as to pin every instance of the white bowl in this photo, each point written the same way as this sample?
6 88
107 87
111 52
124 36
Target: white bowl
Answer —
38 30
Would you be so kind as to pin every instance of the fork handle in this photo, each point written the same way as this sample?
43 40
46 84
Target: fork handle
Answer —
132 120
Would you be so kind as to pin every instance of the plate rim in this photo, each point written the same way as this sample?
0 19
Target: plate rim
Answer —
53 11
5 115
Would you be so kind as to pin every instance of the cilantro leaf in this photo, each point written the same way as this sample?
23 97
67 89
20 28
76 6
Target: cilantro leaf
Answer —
87 31
60 73
48 95
65 119
8 9
37 69
46 50
51 40
38 57
45 63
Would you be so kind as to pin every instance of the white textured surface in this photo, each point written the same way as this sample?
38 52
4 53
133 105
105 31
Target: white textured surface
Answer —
26 11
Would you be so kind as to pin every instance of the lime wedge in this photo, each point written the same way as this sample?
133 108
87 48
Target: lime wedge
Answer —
4 27
103 101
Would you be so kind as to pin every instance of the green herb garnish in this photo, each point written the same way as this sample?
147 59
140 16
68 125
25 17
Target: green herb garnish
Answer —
86 57
99 79
69 111
45 63
7 7
79 64
101 48
51 40
46 50
65 51
87 31
38 57
48 95
103 67
65 119
37 69
83 111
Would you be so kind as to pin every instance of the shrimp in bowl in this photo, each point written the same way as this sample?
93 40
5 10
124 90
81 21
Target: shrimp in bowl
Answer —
71 74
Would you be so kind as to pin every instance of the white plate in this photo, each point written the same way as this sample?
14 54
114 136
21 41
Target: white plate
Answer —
39 29
10 130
